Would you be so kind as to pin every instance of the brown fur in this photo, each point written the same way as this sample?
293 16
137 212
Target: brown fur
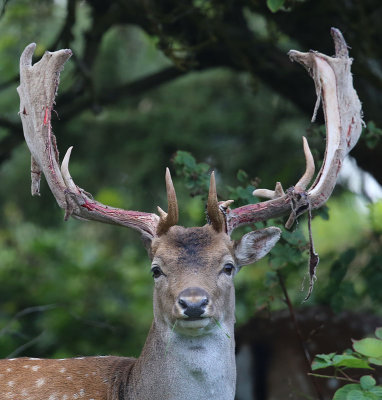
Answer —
75 378
191 257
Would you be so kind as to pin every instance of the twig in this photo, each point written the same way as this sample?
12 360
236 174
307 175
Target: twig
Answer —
333 377
107 96
347 376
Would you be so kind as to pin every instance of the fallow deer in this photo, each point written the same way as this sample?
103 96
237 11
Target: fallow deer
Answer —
193 268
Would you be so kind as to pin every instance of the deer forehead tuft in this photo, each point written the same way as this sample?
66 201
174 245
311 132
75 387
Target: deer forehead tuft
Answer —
192 247
198 237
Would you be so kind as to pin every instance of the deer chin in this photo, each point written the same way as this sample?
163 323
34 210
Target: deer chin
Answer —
193 326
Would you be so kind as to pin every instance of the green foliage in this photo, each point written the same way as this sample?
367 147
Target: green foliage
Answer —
376 216
195 174
275 5
343 360
365 352
367 382
242 194
358 392
84 281
369 347
336 290
372 134
292 251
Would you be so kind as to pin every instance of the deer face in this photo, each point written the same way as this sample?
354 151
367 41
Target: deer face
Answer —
193 270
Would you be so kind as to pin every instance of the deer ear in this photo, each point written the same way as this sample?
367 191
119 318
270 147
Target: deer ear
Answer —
255 245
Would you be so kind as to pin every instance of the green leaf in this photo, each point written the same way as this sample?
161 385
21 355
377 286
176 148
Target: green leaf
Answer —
377 390
295 238
375 361
342 394
242 176
372 134
355 395
367 382
275 5
327 357
347 360
355 392
322 361
369 347
319 364
283 254
185 158
378 333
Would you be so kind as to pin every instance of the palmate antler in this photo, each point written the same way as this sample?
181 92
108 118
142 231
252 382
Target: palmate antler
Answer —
37 91
343 119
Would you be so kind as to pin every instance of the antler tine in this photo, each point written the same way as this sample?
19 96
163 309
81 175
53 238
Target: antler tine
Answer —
66 174
215 217
37 91
270 194
301 185
26 56
343 120
310 168
169 219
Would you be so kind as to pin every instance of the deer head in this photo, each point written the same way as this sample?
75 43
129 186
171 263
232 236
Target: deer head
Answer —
193 268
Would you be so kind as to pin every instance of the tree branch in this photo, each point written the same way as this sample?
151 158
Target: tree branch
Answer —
69 109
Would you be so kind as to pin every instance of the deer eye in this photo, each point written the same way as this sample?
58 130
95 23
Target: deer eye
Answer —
228 269
157 272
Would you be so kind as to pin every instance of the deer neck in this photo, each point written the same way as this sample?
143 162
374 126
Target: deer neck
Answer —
174 366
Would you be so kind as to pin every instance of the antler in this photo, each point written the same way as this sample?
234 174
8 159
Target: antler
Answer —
37 91
214 215
343 119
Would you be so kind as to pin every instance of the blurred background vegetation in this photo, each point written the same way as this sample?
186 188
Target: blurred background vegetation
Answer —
150 78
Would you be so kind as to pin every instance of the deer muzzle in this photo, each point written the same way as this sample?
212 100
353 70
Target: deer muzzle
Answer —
192 302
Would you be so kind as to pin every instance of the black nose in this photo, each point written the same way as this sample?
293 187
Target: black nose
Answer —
193 301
